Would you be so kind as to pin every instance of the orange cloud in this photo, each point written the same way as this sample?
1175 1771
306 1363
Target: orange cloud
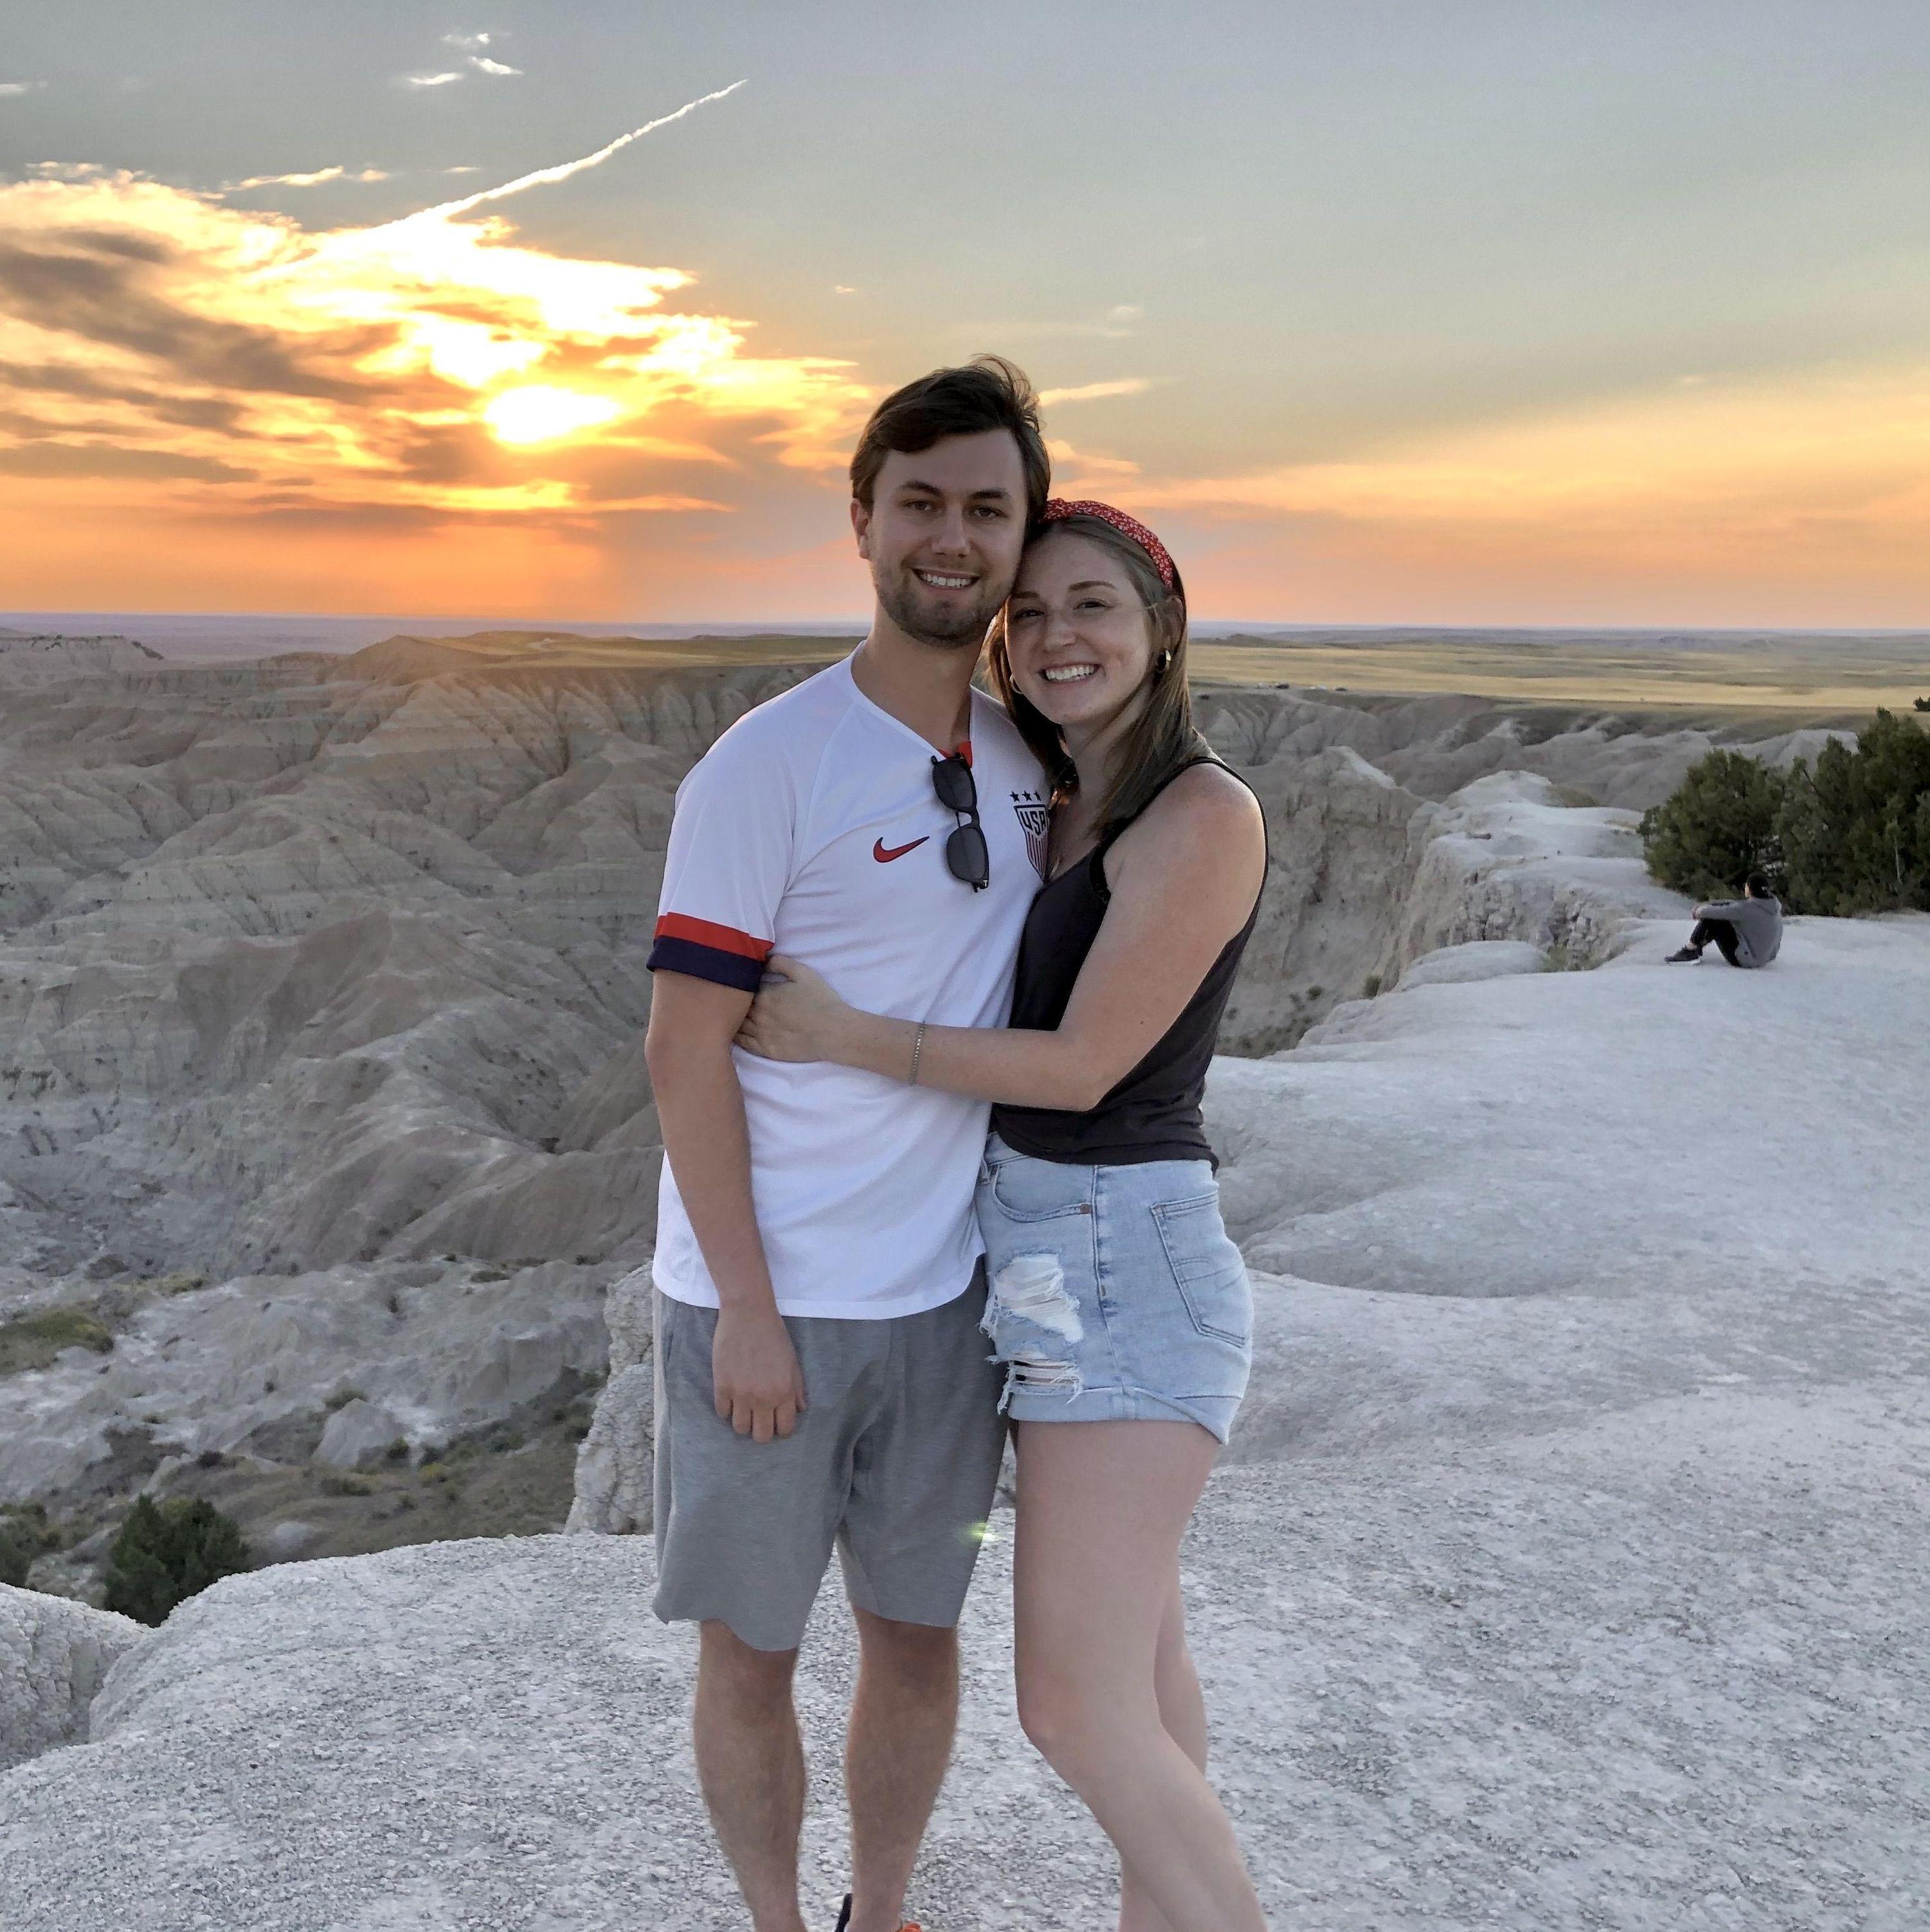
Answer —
1093 392
165 354
202 406
1748 460
1804 498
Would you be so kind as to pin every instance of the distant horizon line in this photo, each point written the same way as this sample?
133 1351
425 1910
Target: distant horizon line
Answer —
715 626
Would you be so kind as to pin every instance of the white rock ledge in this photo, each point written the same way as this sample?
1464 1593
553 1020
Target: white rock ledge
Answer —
54 1654
1566 1569
1595 1680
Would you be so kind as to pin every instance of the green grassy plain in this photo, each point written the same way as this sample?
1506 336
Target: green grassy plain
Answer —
1820 675
1816 675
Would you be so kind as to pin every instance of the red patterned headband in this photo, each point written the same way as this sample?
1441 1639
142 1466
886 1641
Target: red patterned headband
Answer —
1060 508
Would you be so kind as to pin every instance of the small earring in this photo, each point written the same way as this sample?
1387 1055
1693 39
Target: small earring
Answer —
1164 659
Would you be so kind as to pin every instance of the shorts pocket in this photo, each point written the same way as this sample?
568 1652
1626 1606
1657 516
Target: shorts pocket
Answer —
1206 1267
1026 1190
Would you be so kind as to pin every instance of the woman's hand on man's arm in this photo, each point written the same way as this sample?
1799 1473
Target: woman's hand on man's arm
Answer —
797 1016
1182 881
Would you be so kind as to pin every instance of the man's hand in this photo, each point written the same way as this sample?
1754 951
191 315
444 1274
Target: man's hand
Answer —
758 1385
754 1374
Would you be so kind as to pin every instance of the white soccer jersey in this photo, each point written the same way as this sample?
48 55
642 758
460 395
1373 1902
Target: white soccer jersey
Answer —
812 828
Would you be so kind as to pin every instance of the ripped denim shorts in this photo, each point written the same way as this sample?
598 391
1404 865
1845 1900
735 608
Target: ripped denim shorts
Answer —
1115 1294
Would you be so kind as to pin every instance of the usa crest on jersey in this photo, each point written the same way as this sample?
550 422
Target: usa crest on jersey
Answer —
1035 816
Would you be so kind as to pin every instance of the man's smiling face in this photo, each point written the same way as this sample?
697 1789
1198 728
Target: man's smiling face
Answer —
943 536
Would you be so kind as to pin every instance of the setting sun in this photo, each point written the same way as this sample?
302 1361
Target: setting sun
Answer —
327 379
389 344
541 414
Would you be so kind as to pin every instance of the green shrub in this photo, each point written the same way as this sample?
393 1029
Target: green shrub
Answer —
1849 834
1855 828
1716 828
164 1554
24 1532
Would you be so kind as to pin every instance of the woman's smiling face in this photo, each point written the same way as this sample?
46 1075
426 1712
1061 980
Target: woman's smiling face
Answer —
1078 638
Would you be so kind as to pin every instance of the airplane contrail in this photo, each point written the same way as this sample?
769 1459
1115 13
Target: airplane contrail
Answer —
543 177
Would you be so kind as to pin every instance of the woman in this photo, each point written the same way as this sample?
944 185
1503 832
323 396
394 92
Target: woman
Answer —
1116 1299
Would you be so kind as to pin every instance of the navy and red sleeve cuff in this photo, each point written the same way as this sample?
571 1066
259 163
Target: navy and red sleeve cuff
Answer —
706 951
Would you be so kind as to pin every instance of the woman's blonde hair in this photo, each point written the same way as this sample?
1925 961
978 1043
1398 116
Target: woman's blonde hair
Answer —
1163 737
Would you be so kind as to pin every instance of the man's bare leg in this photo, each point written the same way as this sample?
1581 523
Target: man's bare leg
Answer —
750 1764
900 1741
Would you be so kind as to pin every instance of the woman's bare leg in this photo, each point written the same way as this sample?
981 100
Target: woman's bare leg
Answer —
1102 1507
1183 1715
1182 1709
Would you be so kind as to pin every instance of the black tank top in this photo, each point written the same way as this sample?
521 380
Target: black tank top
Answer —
1154 1113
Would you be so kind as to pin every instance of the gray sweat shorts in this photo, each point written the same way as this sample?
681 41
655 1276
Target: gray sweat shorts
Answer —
895 1460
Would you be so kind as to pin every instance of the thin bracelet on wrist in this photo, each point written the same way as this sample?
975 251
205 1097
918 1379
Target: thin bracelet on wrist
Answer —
917 1051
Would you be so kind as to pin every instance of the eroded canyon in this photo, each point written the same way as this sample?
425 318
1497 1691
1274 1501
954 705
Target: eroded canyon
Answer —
321 998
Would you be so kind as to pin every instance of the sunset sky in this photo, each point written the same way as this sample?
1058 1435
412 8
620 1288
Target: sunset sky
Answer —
1490 311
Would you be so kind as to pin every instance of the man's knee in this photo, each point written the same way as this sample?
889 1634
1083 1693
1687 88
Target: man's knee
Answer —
729 1667
915 1652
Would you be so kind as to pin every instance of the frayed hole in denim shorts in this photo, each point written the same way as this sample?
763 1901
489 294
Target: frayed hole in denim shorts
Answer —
1030 1291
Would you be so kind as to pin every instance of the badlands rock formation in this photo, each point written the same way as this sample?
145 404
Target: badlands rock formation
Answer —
1565 1571
53 1657
29 658
320 987
321 999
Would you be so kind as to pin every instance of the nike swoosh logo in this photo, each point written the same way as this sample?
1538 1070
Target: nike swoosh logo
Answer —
884 853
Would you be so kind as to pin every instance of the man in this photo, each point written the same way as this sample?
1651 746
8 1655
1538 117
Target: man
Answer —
1748 932
821 1375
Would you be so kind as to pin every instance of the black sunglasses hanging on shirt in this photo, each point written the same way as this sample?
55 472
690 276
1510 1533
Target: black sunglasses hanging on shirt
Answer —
966 854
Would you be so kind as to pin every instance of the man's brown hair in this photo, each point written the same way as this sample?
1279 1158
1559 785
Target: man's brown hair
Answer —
986 393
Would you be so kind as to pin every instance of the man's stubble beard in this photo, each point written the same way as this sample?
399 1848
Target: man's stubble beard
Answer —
943 631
